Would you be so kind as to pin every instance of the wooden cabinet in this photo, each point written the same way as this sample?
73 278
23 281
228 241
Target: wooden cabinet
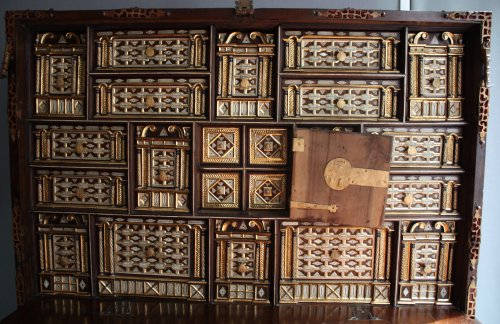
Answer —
152 152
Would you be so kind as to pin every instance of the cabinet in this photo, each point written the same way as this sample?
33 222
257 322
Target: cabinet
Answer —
152 152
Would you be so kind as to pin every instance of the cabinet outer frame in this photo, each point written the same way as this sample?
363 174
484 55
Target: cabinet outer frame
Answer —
20 27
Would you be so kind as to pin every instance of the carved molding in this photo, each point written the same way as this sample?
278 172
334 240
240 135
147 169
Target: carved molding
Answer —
349 13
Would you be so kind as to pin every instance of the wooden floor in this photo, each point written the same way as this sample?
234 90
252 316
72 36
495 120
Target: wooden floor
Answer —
72 311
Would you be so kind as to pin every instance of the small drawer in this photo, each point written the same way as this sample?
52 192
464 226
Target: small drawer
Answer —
242 261
165 98
340 99
171 253
423 147
221 190
152 49
92 189
423 195
87 144
267 191
341 51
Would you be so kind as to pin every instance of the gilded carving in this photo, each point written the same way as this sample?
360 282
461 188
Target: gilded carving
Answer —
349 13
242 260
245 75
267 191
220 190
221 145
268 146
60 74
426 262
323 51
163 162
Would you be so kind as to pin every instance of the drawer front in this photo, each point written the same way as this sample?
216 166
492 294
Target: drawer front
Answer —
163 167
329 51
60 74
319 262
267 191
92 144
426 262
423 195
220 190
170 252
242 260
63 253
423 147
167 49
169 98
268 146
81 189
339 99
221 145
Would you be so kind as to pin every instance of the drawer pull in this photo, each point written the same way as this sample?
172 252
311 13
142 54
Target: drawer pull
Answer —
150 51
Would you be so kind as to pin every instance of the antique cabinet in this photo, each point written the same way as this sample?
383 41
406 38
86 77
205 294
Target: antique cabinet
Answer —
151 152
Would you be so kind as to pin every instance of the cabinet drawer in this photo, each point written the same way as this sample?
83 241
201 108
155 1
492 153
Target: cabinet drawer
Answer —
423 195
340 99
423 147
338 51
70 188
169 98
88 144
150 49
152 257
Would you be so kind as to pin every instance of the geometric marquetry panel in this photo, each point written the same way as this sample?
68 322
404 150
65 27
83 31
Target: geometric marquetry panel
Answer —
163 160
435 63
318 260
221 145
242 260
426 262
152 257
64 260
60 74
267 191
268 146
220 190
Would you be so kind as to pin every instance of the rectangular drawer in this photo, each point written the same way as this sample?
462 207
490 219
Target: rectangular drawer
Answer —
436 147
339 51
157 257
169 98
153 49
340 99
87 144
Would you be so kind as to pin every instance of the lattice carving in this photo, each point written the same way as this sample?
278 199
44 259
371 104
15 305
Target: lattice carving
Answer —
436 69
349 13
329 99
268 146
163 155
426 262
220 190
63 251
423 195
170 98
81 189
135 13
150 49
423 147
267 191
242 260
323 51
318 260
152 257
80 143
245 75
221 145
60 74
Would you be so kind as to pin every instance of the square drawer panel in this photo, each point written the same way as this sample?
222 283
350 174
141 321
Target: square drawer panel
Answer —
435 147
245 65
153 257
423 195
153 49
221 145
341 99
63 244
220 190
91 189
267 191
426 262
268 146
60 74
163 167
436 69
340 51
327 263
168 98
80 143
242 260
